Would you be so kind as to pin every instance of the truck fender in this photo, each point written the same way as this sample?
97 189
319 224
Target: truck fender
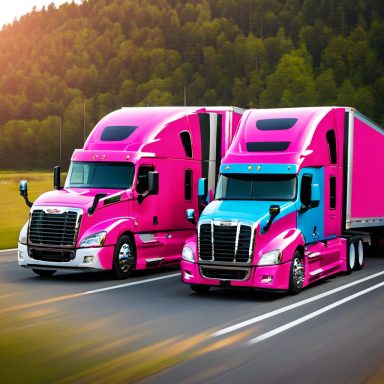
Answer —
191 242
114 228
287 241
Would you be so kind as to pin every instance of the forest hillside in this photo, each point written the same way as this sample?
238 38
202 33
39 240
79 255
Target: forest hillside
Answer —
63 68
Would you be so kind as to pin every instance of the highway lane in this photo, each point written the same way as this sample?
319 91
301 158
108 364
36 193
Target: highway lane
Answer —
155 310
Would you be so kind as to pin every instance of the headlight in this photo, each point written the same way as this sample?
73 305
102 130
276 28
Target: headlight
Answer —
188 255
270 258
95 240
23 234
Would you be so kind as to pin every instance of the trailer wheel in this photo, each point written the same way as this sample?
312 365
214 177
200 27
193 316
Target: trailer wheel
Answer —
201 289
351 256
297 275
360 254
44 272
124 260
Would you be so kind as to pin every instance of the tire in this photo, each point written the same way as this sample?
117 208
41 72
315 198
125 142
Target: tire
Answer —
360 254
44 272
297 274
201 289
351 256
124 258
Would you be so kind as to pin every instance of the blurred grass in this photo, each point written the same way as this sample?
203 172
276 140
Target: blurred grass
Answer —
44 344
13 210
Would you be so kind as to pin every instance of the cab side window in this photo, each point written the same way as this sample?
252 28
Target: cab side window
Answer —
331 140
142 178
188 184
332 192
306 190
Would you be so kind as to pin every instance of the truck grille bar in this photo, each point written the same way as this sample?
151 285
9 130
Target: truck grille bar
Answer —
225 241
54 227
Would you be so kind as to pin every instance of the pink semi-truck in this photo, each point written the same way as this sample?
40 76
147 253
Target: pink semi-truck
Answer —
300 193
123 204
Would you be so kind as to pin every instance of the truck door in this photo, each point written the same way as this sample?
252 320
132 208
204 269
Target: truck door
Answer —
310 218
331 203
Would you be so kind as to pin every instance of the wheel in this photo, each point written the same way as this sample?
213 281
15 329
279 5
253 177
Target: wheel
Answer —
44 272
351 256
124 259
200 288
297 275
360 254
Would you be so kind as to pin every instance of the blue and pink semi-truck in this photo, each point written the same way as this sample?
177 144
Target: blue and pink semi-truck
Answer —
299 197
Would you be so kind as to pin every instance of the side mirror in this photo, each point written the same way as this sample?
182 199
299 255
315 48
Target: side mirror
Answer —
274 210
190 215
153 186
153 183
313 200
23 189
57 177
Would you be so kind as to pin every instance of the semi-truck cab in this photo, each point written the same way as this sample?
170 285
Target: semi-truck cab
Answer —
123 203
297 198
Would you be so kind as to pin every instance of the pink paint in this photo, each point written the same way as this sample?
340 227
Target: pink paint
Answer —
157 223
341 152
367 176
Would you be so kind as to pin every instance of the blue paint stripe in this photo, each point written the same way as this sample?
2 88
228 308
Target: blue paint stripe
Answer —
259 168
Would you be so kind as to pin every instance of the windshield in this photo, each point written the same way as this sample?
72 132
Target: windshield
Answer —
256 187
100 175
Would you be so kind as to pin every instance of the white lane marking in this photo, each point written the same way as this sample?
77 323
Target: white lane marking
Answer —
130 284
292 306
8 250
292 324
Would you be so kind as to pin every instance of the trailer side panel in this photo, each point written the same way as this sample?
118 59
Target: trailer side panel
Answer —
365 204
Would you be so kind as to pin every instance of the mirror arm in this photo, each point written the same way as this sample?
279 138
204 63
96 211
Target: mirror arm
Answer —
96 200
268 225
274 210
25 196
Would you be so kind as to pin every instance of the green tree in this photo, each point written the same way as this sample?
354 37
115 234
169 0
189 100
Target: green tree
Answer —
292 84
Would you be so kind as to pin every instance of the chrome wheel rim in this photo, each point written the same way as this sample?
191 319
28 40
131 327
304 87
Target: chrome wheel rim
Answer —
125 258
352 256
298 272
361 252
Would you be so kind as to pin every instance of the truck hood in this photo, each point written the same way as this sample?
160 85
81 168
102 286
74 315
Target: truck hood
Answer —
250 210
73 197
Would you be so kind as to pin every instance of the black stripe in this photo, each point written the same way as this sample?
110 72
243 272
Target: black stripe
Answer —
205 135
219 135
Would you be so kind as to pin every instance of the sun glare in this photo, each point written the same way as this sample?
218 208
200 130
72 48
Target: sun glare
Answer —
11 10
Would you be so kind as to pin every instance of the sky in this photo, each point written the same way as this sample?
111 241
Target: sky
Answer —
9 10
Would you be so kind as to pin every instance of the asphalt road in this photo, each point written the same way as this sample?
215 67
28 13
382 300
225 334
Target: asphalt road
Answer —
332 332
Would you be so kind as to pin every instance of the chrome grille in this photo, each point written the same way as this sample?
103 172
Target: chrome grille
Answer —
225 241
54 229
